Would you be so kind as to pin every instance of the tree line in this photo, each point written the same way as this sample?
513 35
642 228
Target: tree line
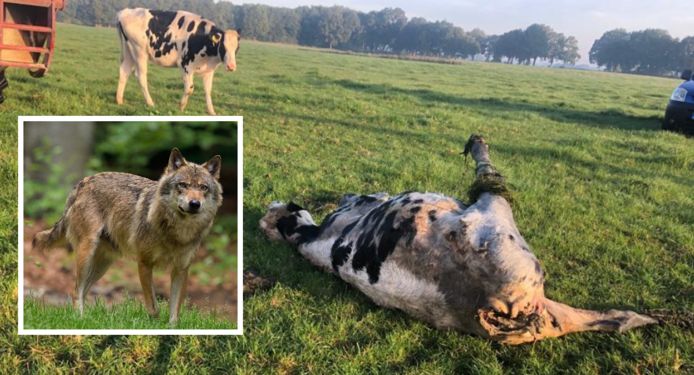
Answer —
387 31
650 51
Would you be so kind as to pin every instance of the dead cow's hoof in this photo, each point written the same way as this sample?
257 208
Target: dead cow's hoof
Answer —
253 283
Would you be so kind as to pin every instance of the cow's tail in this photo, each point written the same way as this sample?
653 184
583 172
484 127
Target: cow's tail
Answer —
123 40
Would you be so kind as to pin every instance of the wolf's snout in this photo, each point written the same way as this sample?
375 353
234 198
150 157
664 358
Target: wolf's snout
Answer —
194 205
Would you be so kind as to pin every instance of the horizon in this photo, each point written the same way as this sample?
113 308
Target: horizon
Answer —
567 17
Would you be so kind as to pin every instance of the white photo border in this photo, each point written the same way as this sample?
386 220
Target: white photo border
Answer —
151 332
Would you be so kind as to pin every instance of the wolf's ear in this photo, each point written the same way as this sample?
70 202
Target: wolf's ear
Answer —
214 165
176 160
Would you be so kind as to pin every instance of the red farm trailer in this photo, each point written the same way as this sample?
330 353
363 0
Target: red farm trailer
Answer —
27 36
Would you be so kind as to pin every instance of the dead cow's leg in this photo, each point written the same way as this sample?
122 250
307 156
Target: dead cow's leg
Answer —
207 85
187 89
487 178
480 153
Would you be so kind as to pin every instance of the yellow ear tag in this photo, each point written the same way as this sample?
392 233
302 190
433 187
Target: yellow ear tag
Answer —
215 39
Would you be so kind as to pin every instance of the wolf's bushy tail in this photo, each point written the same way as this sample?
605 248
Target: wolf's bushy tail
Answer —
50 237
56 235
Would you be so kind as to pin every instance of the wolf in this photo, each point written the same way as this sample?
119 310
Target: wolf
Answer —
453 265
159 223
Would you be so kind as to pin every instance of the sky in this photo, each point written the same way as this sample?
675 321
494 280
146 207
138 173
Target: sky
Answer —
587 20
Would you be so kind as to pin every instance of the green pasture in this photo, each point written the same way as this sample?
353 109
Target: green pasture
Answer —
604 198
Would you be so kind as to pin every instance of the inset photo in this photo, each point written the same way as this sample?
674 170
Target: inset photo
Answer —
130 225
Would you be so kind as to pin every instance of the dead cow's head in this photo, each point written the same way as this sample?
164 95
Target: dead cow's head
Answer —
228 44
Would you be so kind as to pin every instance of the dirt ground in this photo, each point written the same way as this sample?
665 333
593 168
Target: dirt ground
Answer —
51 277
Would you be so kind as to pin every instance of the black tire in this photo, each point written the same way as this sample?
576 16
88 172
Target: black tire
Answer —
666 125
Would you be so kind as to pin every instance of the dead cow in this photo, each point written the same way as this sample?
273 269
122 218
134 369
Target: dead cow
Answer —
170 39
452 265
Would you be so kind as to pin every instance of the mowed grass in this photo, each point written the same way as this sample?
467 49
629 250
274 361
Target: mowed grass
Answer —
128 315
602 196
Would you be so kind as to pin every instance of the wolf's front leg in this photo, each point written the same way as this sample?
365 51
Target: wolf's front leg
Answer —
145 272
179 278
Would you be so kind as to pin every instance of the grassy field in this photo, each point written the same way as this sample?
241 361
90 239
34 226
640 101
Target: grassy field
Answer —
602 196
128 315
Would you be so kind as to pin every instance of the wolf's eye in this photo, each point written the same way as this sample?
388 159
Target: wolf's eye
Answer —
182 185
204 187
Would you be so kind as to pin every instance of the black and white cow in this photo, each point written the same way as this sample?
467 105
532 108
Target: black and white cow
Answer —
456 266
170 39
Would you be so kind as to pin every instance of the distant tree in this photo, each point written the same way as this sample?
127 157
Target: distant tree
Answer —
285 25
687 53
650 51
569 50
537 41
384 31
411 38
564 49
337 25
656 51
613 51
253 20
461 44
511 45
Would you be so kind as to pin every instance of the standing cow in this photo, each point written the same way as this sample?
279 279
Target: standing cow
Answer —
180 39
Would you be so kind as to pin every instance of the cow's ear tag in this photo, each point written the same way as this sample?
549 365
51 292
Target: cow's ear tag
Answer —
215 39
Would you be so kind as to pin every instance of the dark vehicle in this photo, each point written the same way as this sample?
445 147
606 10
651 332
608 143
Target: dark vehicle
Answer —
679 115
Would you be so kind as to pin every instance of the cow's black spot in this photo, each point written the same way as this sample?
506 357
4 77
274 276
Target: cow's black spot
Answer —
196 43
181 21
293 207
415 209
328 221
339 253
538 269
183 46
288 226
432 215
364 199
157 30
371 254
191 26
307 233
201 27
